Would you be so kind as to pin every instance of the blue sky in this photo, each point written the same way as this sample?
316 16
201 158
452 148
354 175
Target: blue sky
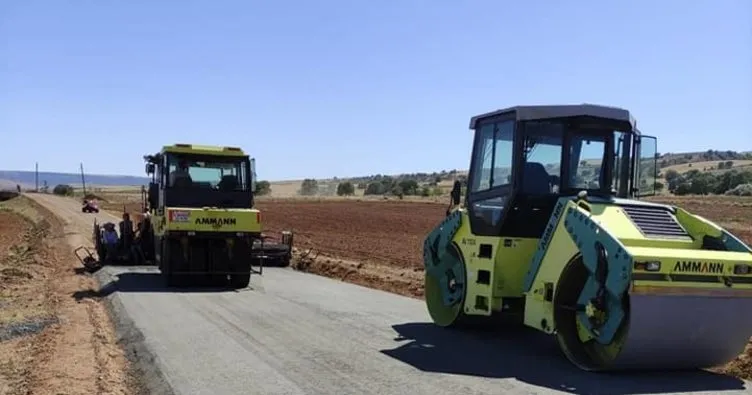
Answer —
345 88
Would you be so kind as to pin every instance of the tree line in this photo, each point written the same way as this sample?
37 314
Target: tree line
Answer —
671 159
696 182
382 185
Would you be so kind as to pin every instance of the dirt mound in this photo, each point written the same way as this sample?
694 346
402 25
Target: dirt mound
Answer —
49 342
24 312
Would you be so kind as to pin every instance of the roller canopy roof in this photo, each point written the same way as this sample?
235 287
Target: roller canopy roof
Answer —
531 113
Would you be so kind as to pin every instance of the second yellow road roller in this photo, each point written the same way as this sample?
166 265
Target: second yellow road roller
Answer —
553 234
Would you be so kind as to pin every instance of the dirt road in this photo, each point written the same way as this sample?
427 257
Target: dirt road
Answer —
296 333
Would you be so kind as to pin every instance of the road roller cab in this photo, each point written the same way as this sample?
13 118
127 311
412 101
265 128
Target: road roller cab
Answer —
552 235
201 203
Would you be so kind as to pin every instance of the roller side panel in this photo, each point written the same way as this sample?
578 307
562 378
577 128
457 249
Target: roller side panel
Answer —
555 251
495 268
544 244
488 270
691 272
511 264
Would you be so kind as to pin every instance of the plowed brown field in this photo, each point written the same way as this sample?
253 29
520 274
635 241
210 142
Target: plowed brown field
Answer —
392 232
380 243
386 232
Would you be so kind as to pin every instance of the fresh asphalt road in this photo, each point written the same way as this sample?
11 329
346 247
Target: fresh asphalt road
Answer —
297 333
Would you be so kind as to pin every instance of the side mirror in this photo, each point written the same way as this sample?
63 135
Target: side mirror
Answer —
150 168
456 192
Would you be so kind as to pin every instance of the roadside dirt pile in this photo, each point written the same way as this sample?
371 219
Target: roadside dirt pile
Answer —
49 342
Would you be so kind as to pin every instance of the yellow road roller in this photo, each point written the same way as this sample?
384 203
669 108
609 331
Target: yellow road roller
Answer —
552 235
206 229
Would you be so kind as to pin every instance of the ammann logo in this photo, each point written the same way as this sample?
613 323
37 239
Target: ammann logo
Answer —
698 267
216 222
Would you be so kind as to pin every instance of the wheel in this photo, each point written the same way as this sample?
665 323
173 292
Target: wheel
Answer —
217 280
572 337
441 288
167 267
280 254
157 243
240 281
243 279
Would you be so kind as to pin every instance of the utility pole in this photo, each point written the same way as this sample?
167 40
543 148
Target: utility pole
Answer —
83 180
36 176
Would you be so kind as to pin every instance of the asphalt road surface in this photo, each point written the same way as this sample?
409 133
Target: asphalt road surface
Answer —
297 333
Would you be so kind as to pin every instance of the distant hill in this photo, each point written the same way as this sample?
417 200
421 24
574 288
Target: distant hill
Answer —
9 179
421 178
704 161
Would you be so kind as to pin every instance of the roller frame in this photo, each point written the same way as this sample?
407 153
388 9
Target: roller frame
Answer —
588 235
438 261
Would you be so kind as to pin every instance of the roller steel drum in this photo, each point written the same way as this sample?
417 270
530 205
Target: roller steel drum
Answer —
670 332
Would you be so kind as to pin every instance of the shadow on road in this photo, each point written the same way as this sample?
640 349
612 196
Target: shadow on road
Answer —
146 282
533 358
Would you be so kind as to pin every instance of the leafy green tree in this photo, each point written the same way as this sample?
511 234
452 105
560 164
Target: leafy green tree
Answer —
375 188
409 187
263 188
703 183
683 188
309 187
63 190
345 189
397 191
741 190
388 182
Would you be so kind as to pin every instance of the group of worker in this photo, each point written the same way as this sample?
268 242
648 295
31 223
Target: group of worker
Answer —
130 241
